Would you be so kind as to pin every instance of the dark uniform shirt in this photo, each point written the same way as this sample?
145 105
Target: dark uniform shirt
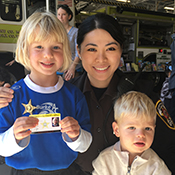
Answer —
101 124
102 116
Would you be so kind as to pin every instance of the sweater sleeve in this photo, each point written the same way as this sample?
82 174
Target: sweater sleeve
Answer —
8 144
81 144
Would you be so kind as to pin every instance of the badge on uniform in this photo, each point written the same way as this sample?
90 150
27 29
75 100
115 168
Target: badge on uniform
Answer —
164 115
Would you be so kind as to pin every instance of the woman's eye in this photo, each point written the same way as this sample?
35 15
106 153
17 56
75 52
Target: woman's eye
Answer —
91 49
111 49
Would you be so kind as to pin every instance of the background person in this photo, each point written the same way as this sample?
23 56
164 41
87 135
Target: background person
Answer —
135 119
43 48
64 14
5 77
169 103
100 83
165 91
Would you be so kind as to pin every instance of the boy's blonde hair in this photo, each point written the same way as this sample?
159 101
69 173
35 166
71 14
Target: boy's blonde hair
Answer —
50 28
134 104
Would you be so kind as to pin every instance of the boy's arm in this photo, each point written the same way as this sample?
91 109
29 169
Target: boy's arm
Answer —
8 144
162 170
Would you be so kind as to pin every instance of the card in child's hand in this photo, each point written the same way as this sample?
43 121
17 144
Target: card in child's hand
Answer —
47 122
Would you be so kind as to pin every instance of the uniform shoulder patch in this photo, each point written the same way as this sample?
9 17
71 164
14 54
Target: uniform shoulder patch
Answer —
15 87
164 115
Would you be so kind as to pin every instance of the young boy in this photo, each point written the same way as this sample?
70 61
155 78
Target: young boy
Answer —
135 118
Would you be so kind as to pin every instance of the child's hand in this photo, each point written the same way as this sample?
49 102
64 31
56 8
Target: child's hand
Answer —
22 126
71 127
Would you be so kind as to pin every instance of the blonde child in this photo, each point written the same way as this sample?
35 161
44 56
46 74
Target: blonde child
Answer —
43 48
135 118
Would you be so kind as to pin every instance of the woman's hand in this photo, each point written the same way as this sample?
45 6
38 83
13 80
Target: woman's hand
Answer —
6 95
71 127
70 73
10 63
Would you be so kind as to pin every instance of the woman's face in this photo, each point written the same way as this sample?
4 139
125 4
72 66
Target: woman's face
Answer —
100 55
63 16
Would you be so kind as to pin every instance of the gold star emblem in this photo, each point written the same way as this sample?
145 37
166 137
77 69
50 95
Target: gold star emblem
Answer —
45 124
28 107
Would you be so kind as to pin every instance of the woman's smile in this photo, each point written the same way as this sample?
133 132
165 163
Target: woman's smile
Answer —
101 68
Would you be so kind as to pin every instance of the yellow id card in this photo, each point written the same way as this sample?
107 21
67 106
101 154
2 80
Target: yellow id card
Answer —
47 122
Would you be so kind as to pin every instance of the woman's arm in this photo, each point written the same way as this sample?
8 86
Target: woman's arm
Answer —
6 95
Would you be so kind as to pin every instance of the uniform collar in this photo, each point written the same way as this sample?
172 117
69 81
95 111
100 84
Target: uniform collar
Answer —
112 87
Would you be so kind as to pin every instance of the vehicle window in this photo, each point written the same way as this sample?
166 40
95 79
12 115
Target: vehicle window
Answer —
11 10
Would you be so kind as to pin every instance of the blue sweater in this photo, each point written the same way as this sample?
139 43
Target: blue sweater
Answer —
46 151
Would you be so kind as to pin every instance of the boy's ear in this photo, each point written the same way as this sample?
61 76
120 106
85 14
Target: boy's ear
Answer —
115 129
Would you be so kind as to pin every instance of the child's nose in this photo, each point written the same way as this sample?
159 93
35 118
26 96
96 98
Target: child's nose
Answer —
140 133
48 53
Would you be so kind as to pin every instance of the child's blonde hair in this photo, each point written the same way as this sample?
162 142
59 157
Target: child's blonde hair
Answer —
50 28
134 104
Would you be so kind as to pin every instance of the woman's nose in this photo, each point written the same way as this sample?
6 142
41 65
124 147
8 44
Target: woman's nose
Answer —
59 17
101 56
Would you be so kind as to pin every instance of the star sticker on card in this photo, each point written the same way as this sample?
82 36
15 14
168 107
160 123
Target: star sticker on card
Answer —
45 124
28 107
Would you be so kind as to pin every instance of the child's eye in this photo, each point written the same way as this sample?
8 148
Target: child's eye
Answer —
39 47
56 47
148 129
132 128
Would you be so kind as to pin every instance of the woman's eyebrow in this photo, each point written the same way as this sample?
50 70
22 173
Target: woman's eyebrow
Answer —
91 44
112 43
